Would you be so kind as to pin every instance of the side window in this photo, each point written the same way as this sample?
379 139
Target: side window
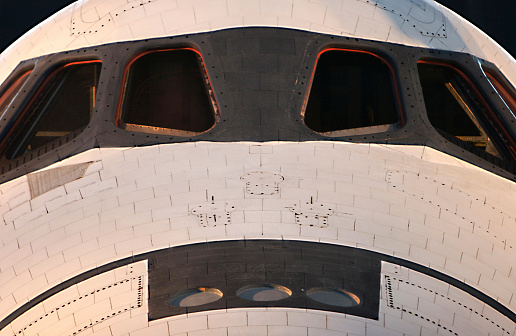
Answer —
61 106
454 107
10 92
351 90
168 92
504 90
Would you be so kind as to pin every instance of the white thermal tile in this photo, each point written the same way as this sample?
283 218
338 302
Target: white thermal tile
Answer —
115 237
239 229
35 233
97 257
494 289
30 290
304 319
374 330
156 329
30 261
117 212
229 319
27 318
151 227
274 8
62 201
340 324
134 220
209 332
172 212
136 196
247 330
187 324
427 257
309 11
48 239
81 182
166 238
210 10
395 245
287 331
6 305
63 271
11 215
315 232
171 188
10 286
405 213
278 318
15 257
142 29
180 17
135 245
373 29
82 225
58 328
354 237
322 332
449 251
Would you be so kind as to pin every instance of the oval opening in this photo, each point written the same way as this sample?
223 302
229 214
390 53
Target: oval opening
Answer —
195 297
265 292
333 296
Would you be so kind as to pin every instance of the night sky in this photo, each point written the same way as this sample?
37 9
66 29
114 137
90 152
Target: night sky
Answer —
496 17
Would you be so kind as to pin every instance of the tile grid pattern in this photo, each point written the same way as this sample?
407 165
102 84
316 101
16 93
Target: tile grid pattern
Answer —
139 199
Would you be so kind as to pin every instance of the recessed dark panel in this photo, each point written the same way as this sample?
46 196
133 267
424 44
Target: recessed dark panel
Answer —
265 273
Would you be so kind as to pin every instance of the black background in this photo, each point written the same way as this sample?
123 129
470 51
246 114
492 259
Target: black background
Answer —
495 17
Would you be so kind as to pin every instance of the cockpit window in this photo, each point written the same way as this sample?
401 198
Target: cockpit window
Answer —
352 91
9 94
61 107
168 92
503 89
453 107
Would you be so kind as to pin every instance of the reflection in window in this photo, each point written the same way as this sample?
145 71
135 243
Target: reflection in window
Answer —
9 94
166 92
351 90
454 108
503 90
195 297
62 105
265 292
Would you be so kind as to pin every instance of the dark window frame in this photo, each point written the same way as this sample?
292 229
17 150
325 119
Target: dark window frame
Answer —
163 130
368 129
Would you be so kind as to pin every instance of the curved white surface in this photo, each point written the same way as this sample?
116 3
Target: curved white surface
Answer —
422 23
411 202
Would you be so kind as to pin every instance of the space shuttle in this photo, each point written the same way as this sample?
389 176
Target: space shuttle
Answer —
263 168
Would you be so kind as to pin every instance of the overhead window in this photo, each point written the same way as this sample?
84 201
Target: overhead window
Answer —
62 106
168 92
352 91
456 109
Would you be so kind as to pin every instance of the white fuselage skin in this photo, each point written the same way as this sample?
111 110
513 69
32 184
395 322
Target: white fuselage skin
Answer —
411 202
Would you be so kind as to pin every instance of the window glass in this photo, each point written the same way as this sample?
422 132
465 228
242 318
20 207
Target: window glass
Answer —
168 91
453 107
10 93
503 90
350 90
62 105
